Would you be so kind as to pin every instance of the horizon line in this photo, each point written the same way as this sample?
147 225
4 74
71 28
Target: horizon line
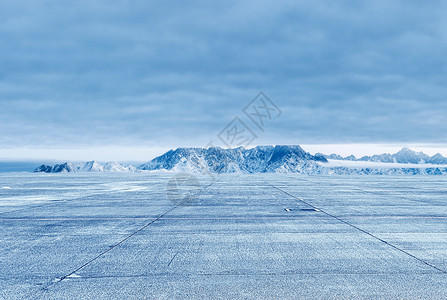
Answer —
147 153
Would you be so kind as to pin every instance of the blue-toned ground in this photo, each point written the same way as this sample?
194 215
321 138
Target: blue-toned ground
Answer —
244 236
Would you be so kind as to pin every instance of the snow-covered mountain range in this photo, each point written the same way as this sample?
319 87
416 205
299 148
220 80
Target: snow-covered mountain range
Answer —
90 166
404 156
270 159
260 159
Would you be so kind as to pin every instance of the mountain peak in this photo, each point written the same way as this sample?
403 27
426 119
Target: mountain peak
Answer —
92 166
405 150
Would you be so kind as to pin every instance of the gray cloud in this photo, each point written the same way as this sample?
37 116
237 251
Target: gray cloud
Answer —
158 73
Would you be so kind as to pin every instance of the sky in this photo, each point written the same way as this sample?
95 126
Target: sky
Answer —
125 80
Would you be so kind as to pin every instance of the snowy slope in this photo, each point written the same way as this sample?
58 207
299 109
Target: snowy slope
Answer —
92 166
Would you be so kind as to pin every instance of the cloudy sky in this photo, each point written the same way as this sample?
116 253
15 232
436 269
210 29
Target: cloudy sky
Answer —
151 75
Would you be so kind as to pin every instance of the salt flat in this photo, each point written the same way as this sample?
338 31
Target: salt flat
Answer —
243 236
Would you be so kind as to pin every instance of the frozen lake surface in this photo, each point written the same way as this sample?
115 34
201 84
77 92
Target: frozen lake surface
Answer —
101 236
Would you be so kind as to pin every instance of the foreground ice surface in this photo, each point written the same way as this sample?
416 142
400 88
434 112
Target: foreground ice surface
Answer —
245 236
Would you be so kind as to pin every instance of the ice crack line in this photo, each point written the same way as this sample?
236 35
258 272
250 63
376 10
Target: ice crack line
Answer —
361 230
125 239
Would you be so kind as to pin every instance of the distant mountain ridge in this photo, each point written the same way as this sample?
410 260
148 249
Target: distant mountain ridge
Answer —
404 156
90 166
265 159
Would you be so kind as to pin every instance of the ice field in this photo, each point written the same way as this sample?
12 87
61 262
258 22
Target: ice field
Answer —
99 236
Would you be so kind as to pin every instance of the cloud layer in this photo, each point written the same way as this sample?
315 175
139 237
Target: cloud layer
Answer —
169 73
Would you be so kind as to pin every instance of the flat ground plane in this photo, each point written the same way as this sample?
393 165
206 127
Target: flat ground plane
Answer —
100 236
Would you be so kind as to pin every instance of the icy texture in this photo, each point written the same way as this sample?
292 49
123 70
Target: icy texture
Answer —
118 236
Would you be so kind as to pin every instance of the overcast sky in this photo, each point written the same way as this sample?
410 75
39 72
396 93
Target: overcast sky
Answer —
161 74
